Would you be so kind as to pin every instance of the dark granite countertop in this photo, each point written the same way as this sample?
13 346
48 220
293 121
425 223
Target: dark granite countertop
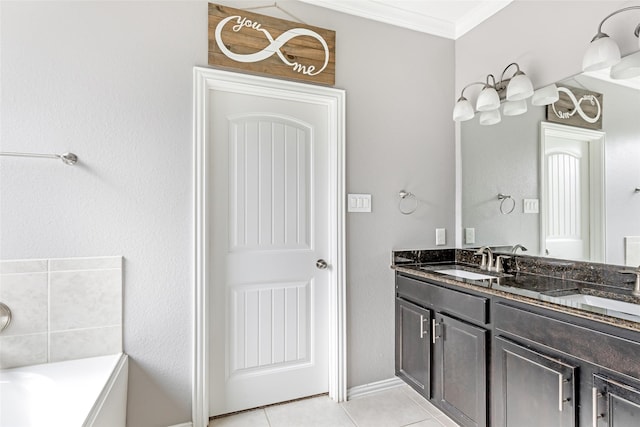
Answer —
557 293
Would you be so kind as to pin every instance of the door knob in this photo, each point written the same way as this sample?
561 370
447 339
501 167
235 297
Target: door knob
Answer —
321 264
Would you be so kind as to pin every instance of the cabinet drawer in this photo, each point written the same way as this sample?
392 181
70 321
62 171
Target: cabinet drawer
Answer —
599 348
462 305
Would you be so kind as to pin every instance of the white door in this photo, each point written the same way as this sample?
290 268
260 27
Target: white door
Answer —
567 183
270 226
572 174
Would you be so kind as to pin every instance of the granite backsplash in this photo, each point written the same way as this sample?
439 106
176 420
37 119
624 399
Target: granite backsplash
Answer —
580 271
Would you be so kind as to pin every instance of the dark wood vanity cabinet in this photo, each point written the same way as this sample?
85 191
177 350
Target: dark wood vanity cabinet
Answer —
440 352
413 346
554 369
535 388
616 403
460 370
486 360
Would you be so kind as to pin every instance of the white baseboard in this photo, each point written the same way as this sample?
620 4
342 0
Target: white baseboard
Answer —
365 389
189 424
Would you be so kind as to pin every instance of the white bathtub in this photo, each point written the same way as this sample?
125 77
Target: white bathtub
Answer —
88 392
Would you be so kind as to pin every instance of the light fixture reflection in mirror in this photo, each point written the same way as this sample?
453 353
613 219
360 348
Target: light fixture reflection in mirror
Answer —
488 118
628 68
514 108
545 95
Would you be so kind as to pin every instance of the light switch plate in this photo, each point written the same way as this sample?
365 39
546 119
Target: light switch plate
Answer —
441 237
531 206
469 235
359 203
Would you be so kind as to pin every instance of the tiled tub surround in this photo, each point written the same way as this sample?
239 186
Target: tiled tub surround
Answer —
62 309
534 280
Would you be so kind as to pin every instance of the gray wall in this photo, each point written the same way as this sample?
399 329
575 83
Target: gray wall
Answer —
112 82
499 158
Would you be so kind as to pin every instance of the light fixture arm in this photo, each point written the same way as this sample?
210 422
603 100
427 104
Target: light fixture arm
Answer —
507 67
492 78
467 86
501 84
600 34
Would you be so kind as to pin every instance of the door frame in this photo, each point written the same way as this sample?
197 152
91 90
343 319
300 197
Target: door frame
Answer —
597 213
204 81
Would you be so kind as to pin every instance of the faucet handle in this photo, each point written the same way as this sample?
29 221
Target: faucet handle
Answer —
483 263
499 264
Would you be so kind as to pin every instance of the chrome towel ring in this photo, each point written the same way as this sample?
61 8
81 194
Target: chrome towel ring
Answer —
409 207
503 198
5 317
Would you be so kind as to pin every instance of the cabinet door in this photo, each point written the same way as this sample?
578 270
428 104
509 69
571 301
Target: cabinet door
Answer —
460 370
532 389
413 346
615 403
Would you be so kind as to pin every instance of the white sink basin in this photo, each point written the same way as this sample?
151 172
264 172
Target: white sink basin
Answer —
465 274
607 304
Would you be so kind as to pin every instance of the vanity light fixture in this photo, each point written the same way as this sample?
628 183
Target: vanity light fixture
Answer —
604 52
519 87
463 110
545 95
514 90
488 99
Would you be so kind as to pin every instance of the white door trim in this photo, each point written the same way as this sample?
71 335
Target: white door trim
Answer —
597 211
206 79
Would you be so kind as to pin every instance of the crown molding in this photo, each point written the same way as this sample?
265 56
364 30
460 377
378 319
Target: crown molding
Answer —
413 19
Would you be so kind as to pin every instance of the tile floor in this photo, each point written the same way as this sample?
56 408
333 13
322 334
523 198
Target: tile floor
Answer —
396 407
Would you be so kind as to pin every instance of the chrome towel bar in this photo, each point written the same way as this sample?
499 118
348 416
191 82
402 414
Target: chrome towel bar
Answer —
67 158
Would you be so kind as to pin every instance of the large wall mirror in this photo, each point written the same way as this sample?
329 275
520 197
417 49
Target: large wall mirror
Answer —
601 222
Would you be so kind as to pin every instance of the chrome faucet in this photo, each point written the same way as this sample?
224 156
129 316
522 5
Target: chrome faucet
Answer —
487 259
636 288
515 248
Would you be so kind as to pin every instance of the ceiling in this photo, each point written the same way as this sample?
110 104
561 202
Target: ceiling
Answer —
450 19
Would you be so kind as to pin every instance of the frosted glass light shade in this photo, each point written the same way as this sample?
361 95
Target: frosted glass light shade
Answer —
463 110
545 95
601 53
488 100
490 117
514 108
520 87
628 68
